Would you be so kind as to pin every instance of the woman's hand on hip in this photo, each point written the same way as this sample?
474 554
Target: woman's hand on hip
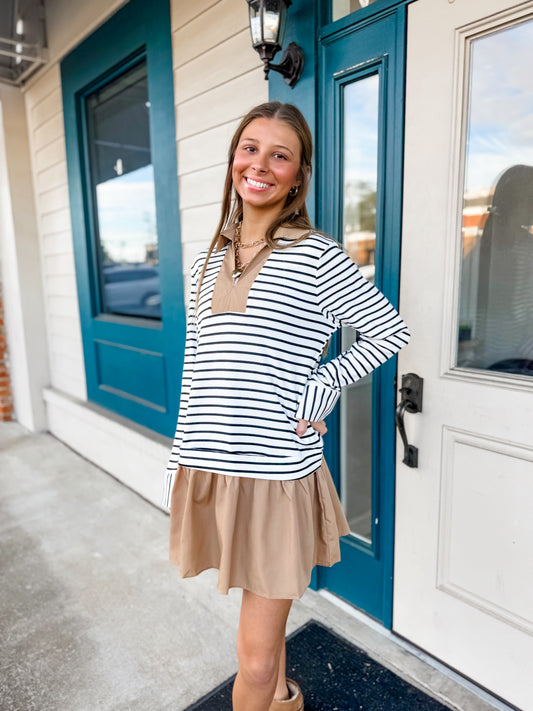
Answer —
320 427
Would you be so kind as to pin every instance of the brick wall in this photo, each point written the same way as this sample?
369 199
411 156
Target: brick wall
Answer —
6 398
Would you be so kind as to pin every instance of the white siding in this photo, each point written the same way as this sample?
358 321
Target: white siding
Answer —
47 139
217 77
67 24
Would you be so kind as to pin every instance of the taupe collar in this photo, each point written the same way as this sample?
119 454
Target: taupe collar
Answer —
286 233
231 295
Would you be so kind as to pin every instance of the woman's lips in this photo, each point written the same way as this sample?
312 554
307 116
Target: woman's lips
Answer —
257 184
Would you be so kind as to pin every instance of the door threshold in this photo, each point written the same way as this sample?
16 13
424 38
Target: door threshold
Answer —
427 685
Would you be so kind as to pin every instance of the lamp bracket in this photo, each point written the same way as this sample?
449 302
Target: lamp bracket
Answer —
291 65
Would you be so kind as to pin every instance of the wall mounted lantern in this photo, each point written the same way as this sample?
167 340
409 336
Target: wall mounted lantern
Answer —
22 39
267 27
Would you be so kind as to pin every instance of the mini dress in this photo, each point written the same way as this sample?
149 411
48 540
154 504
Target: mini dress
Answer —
262 535
247 495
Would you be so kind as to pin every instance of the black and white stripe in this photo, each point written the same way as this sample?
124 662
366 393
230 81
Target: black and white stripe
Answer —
248 377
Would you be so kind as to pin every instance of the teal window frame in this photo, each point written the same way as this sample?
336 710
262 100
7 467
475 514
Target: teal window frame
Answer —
132 364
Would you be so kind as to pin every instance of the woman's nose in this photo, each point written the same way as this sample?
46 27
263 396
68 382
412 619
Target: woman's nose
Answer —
259 164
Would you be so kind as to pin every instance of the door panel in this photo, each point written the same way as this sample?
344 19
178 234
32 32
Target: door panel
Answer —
463 566
361 148
119 124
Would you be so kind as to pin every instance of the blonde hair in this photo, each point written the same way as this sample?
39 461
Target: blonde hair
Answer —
294 212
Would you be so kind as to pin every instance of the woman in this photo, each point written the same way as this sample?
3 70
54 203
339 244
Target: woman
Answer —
249 491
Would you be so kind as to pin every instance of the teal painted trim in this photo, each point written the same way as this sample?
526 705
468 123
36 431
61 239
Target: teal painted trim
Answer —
391 281
301 28
137 30
375 561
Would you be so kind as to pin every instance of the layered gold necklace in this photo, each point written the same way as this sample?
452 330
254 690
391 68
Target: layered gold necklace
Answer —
241 266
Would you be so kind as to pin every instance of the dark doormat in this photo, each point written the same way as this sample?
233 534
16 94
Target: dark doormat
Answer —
335 675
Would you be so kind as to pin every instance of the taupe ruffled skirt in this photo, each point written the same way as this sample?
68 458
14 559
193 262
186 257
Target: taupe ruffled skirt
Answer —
262 535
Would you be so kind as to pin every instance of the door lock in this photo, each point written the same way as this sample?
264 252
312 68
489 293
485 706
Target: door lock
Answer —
411 401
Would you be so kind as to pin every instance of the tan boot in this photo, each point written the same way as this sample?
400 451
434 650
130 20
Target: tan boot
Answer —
294 703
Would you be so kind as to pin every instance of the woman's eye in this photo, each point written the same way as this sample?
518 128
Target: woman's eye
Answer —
250 149
280 155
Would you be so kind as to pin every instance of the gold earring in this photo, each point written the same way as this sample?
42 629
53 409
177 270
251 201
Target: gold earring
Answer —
293 190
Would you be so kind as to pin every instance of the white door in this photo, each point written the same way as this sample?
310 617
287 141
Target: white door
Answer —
463 585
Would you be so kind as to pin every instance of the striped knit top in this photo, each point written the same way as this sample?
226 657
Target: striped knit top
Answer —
252 356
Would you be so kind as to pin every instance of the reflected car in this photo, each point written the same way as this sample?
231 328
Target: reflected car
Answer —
132 289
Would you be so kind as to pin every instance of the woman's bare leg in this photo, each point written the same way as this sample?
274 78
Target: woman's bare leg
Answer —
259 647
282 692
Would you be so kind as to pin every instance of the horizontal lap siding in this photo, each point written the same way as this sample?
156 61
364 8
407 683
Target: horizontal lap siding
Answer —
217 78
47 137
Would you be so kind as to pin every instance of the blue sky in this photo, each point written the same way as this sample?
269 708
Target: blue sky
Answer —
126 213
500 127
360 129
500 131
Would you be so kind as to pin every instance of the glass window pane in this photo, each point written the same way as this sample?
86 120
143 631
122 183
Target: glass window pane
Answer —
341 8
496 291
122 178
361 102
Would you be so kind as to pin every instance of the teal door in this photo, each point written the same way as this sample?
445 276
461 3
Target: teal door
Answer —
360 118
121 157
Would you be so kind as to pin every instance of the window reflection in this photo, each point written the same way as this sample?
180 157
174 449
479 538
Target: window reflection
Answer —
122 177
496 291
341 8
360 151
360 171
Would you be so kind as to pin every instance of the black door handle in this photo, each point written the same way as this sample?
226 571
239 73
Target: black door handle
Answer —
411 401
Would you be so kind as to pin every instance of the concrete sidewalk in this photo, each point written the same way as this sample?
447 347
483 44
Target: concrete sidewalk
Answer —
95 618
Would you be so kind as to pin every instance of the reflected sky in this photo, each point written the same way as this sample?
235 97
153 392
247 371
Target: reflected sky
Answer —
360 129
126 214
501 105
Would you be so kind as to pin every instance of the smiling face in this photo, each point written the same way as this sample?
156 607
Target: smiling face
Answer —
266 165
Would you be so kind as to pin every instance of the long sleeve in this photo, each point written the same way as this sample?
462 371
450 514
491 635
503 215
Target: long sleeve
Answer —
346 298
191 343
